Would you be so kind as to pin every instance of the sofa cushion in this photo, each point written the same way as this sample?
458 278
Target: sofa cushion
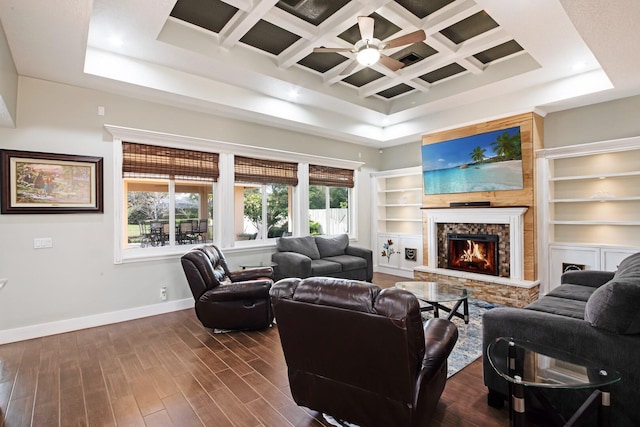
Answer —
303 245
348 262
332 245
321 267
571 291
560 306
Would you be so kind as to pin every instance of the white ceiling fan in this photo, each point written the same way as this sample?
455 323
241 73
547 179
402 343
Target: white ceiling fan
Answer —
368 50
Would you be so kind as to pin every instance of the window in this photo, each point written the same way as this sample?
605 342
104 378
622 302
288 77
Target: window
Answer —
184 181
169 195
329 200
263 198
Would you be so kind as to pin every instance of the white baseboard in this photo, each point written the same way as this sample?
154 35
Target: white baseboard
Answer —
394 271
68 325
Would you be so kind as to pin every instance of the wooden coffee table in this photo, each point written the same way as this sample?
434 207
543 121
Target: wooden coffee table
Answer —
436 293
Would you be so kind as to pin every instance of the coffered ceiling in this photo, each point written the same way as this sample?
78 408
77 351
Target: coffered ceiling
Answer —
254 60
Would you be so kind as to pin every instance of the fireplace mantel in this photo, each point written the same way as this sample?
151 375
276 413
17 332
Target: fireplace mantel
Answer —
513 216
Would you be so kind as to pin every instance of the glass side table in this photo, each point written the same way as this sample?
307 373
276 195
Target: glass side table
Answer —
536 367
435 293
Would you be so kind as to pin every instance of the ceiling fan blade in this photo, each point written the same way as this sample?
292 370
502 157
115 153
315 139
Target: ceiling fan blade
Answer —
365 23
411 38
332 49
349 68
390 63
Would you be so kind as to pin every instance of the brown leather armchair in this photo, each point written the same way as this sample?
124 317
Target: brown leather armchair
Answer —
224 299
359 353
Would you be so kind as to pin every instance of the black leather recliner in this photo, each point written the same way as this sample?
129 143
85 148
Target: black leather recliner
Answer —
359 353
224 299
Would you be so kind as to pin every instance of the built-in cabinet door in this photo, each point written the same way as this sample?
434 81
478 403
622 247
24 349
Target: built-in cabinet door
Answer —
563 258
399 251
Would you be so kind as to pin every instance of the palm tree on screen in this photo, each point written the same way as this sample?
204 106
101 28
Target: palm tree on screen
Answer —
477 155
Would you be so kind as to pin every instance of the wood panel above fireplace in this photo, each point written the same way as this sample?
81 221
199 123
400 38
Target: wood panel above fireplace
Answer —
531 128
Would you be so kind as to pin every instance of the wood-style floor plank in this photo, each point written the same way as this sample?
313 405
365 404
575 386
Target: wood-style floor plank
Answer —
180 411
126 411
206 408
72 407
168 370
47 409
158 419
19 412
99 408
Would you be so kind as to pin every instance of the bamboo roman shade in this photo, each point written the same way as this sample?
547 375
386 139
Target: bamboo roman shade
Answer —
260 171
152 161
331 177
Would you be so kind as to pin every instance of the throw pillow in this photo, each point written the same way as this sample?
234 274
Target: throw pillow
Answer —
332 245
614 306
302 245
629 267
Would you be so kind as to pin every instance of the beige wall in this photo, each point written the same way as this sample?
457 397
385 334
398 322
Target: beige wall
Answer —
77 277
401 156
598 122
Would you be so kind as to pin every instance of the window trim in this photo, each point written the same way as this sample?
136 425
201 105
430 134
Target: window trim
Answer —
222 190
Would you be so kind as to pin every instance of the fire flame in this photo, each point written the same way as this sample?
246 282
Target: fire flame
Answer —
473 253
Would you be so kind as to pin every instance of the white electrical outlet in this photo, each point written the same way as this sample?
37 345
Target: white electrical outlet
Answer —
42 242
163 293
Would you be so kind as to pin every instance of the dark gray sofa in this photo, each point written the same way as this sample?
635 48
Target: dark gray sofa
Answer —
592 314
330 256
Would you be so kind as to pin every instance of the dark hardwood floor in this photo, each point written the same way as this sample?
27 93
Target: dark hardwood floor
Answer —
168 370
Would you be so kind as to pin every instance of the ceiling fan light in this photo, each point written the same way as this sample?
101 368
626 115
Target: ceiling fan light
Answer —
368 56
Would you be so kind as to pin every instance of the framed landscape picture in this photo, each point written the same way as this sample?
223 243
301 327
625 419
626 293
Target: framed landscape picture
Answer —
490 161
48 183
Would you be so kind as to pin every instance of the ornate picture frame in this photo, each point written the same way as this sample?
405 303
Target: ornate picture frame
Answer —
48 183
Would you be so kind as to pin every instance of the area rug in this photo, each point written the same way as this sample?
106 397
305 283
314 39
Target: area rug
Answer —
469 345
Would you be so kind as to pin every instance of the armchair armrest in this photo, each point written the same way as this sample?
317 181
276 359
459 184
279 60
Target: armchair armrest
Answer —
363 253
258 289
593 278
251 274
440 336
292 264
358 251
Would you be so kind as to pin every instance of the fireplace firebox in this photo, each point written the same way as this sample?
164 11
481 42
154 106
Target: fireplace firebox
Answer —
474 253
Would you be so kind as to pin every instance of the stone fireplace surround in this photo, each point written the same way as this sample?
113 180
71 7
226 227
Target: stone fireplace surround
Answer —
512 290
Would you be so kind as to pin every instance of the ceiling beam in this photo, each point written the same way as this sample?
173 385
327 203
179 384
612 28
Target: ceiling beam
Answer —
243 21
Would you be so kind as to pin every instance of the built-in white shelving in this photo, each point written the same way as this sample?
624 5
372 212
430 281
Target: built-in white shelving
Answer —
596 176
397 218
589 205
592 200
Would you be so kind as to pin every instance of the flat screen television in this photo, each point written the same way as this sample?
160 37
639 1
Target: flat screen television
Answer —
490 161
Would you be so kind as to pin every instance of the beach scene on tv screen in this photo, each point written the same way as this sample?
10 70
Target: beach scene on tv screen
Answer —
490 161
